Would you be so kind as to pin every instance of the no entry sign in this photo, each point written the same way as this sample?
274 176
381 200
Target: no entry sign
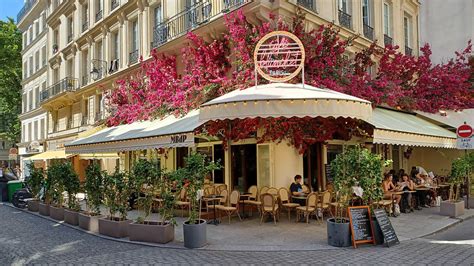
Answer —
464 131
465 140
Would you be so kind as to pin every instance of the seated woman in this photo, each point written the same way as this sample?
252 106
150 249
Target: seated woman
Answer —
296 189
406 184
389 188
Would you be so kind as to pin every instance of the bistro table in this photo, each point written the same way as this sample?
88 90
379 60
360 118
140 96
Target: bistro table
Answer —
243 197
214 198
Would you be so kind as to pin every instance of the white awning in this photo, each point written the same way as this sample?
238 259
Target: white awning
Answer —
285 100
165 133
401 128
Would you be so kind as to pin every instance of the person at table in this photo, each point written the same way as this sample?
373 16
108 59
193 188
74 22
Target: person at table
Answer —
296 189
406 184
421 194
389 188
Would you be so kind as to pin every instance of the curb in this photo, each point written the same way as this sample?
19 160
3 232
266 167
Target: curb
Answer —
449 226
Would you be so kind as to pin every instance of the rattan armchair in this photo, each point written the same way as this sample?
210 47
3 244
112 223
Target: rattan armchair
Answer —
285 201
309 209
233 207
270 206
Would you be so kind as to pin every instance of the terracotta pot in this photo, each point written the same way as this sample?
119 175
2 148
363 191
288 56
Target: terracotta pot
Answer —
43 209
451 208
151 232
57 213
71 217
113 228
89 222
33 205
195 235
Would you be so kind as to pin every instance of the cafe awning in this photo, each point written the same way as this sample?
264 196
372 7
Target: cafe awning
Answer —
285 100
48 155
168 132
402 128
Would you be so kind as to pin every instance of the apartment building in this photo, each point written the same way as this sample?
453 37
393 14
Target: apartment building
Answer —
31 21
92 43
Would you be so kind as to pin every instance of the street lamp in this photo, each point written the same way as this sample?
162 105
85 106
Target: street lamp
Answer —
98 67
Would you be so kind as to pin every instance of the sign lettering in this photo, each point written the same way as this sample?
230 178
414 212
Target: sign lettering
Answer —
178 139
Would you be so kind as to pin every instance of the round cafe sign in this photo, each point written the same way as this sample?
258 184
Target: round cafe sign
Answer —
279 56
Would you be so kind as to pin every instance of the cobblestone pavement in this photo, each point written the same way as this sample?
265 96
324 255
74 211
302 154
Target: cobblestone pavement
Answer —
28 239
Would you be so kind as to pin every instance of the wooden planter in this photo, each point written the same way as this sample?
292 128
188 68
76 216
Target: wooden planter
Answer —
89 222
56 213
153 232
43 209
71 217
113 228
452 208
33 205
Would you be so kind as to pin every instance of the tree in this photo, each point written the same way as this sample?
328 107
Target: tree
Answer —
10 80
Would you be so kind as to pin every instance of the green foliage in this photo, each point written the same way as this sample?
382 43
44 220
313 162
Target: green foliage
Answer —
116 194
93 186
10 78
72 185
460 169
56 183
36 180
145 179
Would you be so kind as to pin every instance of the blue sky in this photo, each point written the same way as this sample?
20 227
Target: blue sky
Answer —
10 8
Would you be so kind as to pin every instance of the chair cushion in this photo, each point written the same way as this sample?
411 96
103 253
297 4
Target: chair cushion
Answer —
290 205
226 208
303 208
269 209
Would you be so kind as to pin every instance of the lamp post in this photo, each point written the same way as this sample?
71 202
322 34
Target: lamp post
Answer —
99 68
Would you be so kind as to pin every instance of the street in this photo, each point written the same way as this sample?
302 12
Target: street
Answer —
28 239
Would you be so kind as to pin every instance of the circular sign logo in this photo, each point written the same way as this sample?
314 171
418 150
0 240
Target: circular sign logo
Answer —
279 56
464 131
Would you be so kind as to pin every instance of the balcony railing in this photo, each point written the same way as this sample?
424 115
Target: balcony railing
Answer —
368 32
98 15
345 19
85 26
133 57
115 4
408 50
309 4
27 7
387 40
191 18
64 85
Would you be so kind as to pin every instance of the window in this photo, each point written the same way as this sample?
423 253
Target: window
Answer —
344 6
37 28
158 17
25 39
366 16
29 132
43 20
42 129
25 70
37 92
135 35
30 33
30 64
70 68
35 130
407 30
37 60
30 100
387 16
99 50
23 133
24 101
70 25
116 45
43 55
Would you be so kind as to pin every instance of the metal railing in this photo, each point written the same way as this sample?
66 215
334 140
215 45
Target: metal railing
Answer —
368 32
133 57
64 85
408 50
387 40
115 4
98 15
191 18
345 19
309 4
85 26
24 10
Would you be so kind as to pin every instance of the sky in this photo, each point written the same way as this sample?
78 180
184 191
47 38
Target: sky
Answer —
10 8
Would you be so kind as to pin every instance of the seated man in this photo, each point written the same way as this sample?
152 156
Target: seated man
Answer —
406 184
297 190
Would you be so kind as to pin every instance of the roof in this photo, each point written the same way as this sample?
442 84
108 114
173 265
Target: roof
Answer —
451 118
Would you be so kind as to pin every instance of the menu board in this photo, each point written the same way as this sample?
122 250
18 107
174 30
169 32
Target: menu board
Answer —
389 235
329 177
361 225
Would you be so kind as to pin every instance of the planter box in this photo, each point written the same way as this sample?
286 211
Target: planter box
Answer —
117 229
56 213
43 209
195 235
151 232
452 209
339 234
88 222
33 205
71 217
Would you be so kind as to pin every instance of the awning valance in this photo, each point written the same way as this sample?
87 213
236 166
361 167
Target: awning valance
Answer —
48 155
285 100
401 128
161 133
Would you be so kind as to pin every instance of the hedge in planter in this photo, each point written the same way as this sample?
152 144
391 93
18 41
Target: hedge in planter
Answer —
35 182
56 174
461 168
93 187
71 186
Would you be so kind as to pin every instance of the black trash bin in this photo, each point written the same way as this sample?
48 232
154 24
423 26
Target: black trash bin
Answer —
3 191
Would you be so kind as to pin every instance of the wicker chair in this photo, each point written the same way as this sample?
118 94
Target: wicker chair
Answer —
253 199
182 202
233 207
263 190
285 201
310 208
269 205
305 188
273 191
219 188
325 202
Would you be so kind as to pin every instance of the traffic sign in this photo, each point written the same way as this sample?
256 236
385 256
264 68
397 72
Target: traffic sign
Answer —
465 140
464 131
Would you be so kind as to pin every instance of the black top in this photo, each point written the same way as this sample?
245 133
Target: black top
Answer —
295 187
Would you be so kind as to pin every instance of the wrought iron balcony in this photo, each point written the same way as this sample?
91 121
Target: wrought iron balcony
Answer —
191 18
133 57
368 32
387 40
408 50
64 85
85 26
98 15
115 4
345 19
24 10
309 4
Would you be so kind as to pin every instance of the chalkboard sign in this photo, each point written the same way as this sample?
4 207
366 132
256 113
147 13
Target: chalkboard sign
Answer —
329 177
361 225
390 238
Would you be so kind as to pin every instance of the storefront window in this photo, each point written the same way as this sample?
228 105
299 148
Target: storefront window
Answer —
244 166
181 153
264 171
332 152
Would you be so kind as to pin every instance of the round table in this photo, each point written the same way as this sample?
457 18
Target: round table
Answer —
245 196
214 198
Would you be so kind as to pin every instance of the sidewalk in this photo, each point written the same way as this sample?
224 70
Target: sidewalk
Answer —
250 235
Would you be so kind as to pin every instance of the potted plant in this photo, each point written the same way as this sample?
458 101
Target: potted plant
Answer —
55 174
46 197
148 183
460 169
34 184
93 187
72 186
116 195
196 169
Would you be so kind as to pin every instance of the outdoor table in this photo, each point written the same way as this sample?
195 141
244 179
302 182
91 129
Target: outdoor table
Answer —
301 197
214 198
244 196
